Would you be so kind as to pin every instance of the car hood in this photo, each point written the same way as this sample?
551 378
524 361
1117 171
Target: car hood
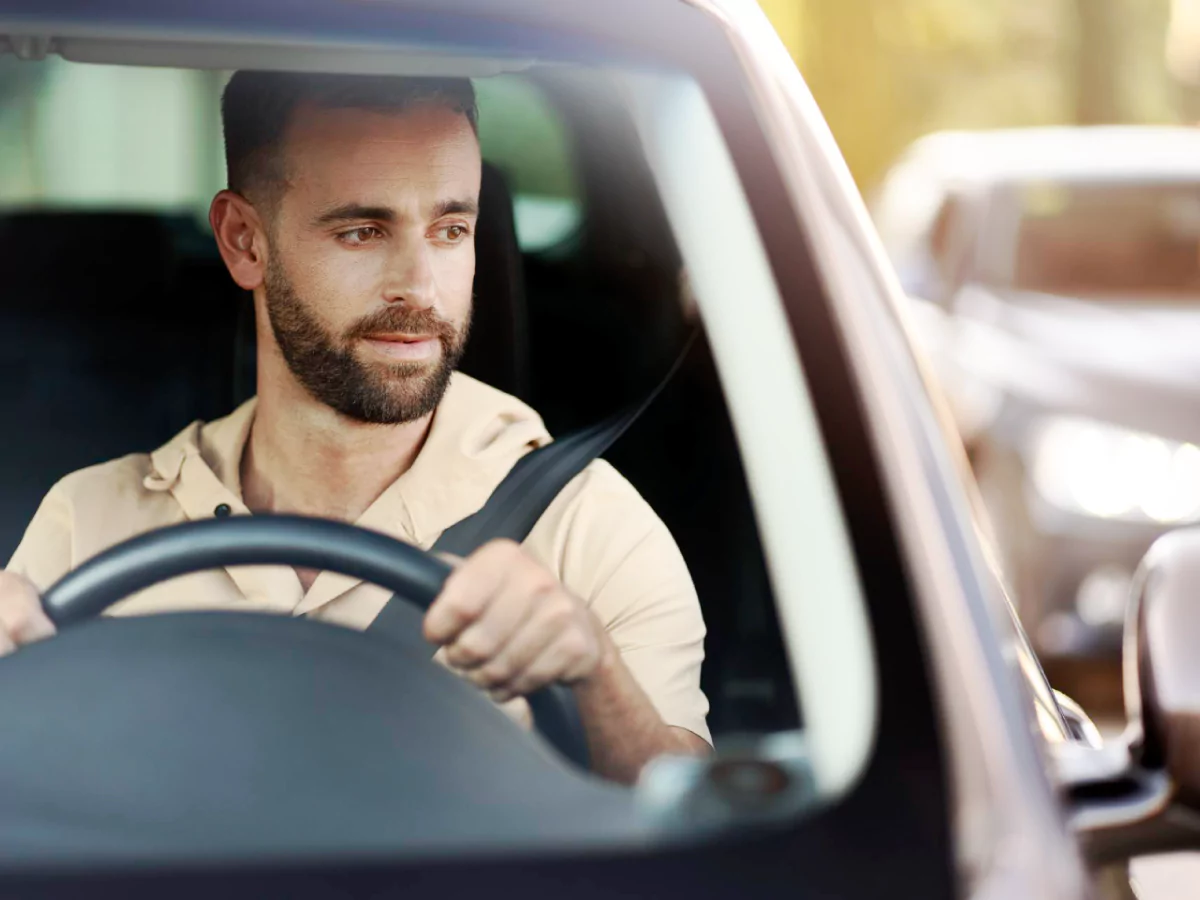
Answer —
1133 361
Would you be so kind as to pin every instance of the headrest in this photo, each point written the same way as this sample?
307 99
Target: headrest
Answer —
497 352
84 261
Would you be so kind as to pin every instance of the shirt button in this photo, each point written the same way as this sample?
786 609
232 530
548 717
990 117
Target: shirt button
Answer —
222 510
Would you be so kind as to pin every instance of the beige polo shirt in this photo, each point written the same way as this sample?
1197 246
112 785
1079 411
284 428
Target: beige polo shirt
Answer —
598 537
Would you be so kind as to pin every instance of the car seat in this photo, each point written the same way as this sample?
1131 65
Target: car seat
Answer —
116 330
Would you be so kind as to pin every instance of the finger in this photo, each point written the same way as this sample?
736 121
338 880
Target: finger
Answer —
6 643
485 638
21 615
468 591
546 622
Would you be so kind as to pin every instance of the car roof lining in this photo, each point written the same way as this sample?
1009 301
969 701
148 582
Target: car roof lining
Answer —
82 44
417 37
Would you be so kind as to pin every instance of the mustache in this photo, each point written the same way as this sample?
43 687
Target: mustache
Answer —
404 320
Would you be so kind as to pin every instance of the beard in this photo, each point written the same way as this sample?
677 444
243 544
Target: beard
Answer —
326 364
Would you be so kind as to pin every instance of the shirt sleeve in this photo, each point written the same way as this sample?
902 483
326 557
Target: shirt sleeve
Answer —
607 545
45 552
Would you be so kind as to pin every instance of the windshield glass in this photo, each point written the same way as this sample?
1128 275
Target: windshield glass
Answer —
1117 239
365 298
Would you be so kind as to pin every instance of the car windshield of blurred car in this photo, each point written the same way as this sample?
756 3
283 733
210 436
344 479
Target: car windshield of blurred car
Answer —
1124 241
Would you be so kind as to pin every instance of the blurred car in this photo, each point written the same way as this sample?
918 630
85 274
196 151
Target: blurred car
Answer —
1056 276
882 728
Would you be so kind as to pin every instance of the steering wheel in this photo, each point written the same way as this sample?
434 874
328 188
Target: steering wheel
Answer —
221 737
415 576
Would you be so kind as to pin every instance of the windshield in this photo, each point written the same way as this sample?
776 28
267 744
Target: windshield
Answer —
1121 240
365 298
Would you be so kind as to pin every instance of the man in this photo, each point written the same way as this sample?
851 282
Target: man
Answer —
350 215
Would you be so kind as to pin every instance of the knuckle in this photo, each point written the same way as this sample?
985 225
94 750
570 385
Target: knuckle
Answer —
463 657
462 609
542 584
476 647
558 613
465 612
495 673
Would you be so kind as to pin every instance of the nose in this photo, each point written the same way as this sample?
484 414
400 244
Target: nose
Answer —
409 278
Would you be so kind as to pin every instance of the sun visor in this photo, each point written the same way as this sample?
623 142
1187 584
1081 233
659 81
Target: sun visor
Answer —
222 51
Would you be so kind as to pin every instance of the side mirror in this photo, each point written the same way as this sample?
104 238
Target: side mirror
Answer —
1141 793
1162 663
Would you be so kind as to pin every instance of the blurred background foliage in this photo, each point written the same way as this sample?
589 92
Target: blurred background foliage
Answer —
887 71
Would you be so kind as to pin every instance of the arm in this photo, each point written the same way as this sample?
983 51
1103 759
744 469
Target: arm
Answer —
624 729
510 627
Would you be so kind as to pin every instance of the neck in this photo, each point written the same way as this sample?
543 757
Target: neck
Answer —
303 457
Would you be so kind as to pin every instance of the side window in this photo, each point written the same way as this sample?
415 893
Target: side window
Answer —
521 135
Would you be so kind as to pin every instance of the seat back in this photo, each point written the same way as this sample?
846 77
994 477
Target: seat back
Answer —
114 334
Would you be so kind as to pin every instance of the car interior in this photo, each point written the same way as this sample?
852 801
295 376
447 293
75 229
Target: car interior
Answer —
101 358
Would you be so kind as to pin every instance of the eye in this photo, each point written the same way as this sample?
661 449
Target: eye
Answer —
364 234
454 234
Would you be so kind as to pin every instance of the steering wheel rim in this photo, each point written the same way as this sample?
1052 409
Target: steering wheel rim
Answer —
414 575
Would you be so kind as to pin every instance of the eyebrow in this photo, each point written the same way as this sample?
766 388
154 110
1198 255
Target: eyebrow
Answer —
357 212
453 207
350 212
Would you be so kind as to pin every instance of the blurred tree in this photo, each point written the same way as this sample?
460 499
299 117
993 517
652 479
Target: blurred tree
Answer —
887 71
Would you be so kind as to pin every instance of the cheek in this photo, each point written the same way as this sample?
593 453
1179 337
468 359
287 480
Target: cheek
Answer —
338 285
456 279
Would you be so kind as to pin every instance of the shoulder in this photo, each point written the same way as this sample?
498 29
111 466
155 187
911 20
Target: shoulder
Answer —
82 509
600 497
600 532
105 481
92 509
107 503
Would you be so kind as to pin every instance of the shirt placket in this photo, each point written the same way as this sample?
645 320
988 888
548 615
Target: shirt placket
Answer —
388 514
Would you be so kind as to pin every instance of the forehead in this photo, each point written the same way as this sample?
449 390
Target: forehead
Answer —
426 148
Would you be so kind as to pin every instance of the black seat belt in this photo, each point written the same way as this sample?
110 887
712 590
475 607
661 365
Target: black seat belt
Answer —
522 497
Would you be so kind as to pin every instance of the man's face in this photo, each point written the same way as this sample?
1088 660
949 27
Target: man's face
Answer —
372 257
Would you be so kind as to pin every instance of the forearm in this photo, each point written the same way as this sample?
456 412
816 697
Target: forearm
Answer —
624 730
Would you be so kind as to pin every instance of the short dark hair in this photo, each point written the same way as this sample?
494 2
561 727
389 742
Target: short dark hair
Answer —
257 106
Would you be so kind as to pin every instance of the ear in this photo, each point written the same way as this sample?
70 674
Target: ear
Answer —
241 238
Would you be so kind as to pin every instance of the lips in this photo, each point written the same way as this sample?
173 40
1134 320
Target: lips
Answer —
403 346
400 338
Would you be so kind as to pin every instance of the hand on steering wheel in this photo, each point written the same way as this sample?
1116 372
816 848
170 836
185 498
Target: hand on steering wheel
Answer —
509 627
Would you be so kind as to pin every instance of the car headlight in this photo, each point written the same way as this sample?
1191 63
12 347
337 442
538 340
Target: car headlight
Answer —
1091 467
